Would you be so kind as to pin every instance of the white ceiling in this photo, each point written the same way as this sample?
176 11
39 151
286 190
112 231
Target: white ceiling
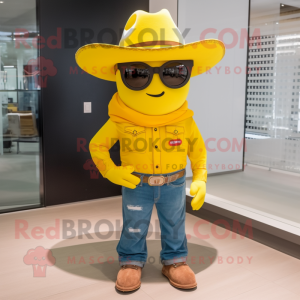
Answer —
16 13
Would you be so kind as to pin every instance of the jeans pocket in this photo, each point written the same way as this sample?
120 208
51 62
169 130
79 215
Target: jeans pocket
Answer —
179 182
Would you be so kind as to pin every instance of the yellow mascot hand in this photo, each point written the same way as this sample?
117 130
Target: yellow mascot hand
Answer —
122 176
198 189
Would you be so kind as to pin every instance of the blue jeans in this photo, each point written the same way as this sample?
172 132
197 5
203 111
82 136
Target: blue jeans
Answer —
137 205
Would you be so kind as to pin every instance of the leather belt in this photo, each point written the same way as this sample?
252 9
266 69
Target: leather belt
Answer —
159 180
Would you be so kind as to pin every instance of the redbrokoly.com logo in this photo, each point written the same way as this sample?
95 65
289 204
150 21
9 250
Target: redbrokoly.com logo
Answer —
39 258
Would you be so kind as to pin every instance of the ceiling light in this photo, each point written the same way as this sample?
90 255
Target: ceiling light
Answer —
277 23
8 66
1 2
282 4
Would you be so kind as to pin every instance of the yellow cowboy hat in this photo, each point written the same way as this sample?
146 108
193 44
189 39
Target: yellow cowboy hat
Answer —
149 37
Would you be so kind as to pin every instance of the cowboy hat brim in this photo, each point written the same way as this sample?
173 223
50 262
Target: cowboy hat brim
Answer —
99 60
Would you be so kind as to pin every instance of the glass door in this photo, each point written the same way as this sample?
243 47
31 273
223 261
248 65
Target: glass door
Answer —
273 89
19 114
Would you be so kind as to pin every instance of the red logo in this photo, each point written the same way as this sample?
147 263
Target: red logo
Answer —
90 166
175 142
40 69
39 258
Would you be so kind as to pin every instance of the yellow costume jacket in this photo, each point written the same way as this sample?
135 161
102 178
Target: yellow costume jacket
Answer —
151 144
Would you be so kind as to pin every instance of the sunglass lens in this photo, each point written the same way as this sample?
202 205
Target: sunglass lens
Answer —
136 75
175 74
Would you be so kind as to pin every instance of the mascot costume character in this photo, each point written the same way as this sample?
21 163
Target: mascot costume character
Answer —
149 115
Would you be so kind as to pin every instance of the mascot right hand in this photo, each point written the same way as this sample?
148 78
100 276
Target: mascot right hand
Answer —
122 176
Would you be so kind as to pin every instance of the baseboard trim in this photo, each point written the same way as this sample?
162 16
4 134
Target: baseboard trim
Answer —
272 237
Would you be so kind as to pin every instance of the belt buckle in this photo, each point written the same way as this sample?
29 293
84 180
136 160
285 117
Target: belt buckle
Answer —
156 180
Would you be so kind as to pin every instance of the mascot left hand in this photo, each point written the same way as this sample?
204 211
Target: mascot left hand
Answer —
198 189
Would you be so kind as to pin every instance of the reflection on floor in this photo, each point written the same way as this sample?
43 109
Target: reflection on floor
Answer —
270 192
85 266
19 176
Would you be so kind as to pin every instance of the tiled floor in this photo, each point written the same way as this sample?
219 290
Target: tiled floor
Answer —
86 265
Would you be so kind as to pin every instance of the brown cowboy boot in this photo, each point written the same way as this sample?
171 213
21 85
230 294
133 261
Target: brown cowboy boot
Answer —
180 275
129 278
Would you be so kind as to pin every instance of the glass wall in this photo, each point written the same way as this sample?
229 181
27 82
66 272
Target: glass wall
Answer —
273 89
19 113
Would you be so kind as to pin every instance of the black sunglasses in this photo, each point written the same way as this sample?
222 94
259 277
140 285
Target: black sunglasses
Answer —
138 75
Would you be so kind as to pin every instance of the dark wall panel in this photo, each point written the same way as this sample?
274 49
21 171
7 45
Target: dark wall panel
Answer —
64 123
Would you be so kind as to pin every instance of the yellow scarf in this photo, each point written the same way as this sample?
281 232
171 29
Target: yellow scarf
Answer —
120 113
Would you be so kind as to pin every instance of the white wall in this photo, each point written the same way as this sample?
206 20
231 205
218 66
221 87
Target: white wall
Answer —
170 5
218 100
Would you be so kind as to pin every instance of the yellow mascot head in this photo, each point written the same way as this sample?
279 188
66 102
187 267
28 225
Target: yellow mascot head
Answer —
152 65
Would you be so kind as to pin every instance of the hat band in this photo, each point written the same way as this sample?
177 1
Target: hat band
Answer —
154 43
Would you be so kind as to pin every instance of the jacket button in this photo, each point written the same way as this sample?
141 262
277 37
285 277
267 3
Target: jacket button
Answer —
156 146
155 129
156 167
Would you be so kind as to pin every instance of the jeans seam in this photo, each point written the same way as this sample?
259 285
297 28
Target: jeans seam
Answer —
156 199
173 260
137 262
